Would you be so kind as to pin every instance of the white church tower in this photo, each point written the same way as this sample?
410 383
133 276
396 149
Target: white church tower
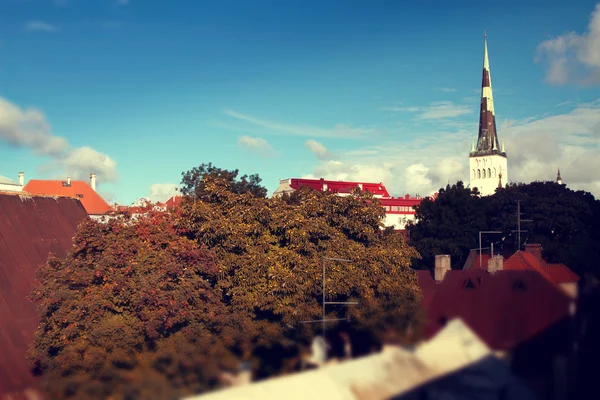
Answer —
488 164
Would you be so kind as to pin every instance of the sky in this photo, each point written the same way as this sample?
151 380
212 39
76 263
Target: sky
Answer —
386 91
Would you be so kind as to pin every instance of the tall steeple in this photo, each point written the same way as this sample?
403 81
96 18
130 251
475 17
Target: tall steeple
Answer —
558 178
488 163
487 140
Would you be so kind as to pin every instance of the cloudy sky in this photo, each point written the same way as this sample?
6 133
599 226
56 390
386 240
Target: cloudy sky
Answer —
139 91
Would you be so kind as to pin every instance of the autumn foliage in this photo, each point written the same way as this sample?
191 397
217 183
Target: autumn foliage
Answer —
158 305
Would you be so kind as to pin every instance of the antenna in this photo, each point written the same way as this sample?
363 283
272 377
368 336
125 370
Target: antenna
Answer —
481 232
323 320
519 220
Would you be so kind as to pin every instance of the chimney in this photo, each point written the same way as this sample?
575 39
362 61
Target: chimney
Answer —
442 265
69 180
21 178
93 181
495 263
535 249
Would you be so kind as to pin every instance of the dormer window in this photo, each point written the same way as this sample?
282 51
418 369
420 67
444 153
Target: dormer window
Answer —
79 195
518 285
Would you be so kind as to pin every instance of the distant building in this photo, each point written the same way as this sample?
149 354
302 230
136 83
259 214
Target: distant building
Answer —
488 163
558 178
8 185
173 202
399 210
93 203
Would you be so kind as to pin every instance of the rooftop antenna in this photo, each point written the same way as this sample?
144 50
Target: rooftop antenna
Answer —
324 320
480 248
519 220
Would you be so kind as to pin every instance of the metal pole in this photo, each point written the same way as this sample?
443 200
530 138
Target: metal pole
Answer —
480 232
480 249
323 298
519 223
492 246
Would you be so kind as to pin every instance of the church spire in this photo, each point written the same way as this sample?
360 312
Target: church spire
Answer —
558 178
487 141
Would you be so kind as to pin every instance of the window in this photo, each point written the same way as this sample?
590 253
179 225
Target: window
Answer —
484 172
395 208
495 172
474 174
489 172
478 174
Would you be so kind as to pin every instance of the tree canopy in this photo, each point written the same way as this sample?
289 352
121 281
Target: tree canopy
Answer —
132 310
564 221
157 306
193 181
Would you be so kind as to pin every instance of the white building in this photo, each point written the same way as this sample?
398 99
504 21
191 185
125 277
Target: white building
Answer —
488 164
8 185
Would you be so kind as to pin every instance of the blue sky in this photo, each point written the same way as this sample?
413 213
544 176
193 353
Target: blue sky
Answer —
139 91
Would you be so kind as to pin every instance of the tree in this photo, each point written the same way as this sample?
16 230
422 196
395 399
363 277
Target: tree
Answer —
193 181
270 254
132 312
450 224
160 305
565 222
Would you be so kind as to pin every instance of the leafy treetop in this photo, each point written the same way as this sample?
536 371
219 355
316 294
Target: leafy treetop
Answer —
193 181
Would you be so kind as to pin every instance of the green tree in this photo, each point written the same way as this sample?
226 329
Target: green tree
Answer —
450 224
193 181
565 222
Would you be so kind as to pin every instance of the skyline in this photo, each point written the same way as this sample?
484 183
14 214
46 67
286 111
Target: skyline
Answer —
140 92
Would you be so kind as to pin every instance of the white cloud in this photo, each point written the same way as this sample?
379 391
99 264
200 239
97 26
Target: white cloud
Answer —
572 57
162 191
318 149
41 26
28 128
446 89
436 110
535 147
258 145
338 131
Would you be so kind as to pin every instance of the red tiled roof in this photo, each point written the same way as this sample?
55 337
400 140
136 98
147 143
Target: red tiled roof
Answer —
93 203
340 186
174 201
504 309
524 260
560 273
30 228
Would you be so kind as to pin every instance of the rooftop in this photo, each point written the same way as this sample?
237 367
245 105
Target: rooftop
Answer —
93 203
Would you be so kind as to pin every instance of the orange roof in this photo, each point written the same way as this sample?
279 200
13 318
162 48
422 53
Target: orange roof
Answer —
560 273
93 203
523 260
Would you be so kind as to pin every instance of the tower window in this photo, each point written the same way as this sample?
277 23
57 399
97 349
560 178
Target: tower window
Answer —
489 172
495 172
478 173
474 174
484 172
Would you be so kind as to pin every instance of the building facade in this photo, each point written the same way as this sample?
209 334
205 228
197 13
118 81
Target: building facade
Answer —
399 211
488 163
